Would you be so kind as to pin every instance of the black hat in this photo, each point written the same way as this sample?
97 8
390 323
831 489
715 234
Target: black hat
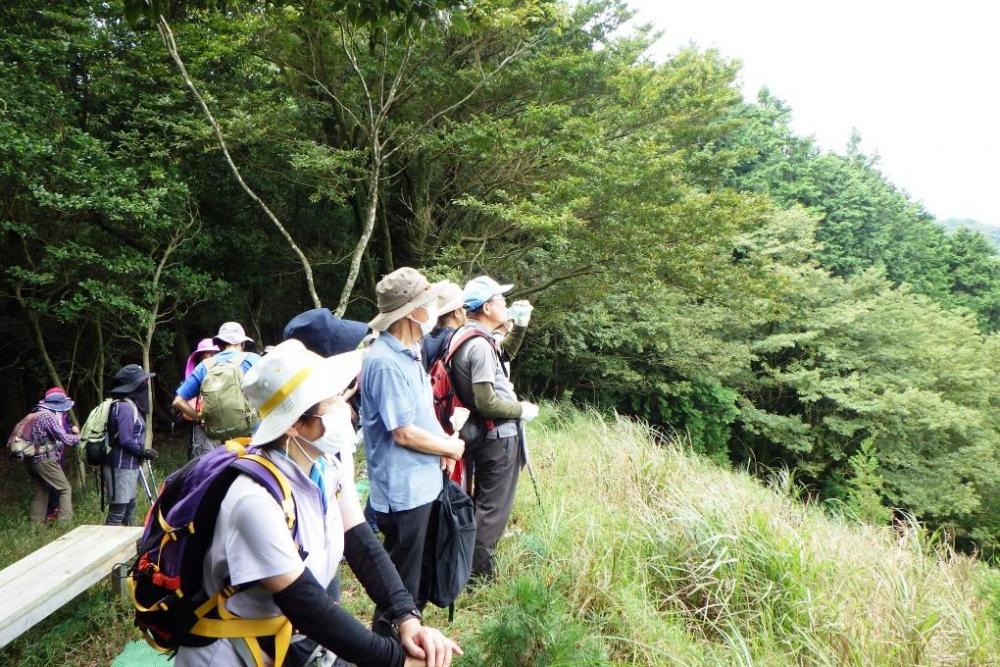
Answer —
129 378
324 333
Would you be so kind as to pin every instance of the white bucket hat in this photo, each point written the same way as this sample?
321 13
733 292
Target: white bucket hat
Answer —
232 333
289 380
451 298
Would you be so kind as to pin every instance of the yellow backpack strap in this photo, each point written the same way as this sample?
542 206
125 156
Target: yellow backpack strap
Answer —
287 502
249 630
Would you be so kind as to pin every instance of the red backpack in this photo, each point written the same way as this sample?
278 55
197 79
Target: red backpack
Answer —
445 397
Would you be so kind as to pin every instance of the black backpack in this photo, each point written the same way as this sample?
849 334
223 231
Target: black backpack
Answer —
454 543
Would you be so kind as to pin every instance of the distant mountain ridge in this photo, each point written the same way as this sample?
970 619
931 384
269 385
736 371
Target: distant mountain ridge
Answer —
989 231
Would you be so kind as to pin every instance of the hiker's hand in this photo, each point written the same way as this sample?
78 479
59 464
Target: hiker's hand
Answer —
75 429
427 644
448 463
520 312
150 454
459 446
528 411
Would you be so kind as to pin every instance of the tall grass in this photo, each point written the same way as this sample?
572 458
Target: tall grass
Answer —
644 554
647 555
93 628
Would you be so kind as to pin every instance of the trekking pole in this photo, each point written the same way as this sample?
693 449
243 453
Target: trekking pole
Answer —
145 485
152 477
522 432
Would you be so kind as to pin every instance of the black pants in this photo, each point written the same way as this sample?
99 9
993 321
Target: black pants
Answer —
121 514
409 541
496 467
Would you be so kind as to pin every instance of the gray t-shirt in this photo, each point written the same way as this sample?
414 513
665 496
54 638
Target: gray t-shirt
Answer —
252 542
475 362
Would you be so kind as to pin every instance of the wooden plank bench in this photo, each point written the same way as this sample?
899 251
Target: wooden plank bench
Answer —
38 584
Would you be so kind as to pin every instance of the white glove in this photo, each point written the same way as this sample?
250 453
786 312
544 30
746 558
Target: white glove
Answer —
528 411
520 312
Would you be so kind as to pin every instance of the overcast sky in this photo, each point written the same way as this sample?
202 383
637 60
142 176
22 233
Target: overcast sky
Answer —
918 79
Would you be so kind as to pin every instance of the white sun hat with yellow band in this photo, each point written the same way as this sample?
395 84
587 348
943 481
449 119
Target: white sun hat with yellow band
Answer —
289 380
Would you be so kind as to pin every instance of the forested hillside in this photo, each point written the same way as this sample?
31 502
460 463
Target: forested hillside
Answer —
991 232
692 261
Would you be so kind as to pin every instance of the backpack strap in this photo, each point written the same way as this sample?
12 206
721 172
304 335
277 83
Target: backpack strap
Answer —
113 412
264 472
455 344
250 630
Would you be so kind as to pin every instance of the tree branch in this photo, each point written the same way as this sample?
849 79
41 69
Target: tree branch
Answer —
168 38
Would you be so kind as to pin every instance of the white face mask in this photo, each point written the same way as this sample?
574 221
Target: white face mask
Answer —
428 326
338 433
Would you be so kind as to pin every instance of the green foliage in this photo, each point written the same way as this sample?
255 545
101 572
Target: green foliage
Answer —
865 220
866 486
692 261
536 628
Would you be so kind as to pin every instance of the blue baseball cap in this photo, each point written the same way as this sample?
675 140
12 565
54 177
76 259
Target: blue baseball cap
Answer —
480 290
324 333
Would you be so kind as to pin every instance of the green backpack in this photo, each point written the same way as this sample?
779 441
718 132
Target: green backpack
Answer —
95 441
225 409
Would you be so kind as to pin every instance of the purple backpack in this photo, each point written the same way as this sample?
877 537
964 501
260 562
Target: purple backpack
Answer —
171 607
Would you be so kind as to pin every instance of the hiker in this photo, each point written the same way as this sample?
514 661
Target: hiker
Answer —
482 384
451 316
327 335
50 435
127 437
200 442
404 443
304 425
222 412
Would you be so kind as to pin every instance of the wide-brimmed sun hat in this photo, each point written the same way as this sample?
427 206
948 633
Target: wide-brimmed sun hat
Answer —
204 345
231 333
289 380
400 293
451 298
129 378
480 290
324 333
56 400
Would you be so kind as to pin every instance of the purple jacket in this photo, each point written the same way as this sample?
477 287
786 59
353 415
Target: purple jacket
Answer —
127 430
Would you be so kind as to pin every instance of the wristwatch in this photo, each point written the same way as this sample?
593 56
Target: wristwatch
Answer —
399 620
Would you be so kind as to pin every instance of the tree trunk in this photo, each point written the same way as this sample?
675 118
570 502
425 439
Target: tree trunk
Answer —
36 328
387 242
148 442
371 211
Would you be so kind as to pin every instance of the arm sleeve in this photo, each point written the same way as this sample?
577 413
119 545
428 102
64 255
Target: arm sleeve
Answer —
491 406
511 343
316 615
371 565
127 438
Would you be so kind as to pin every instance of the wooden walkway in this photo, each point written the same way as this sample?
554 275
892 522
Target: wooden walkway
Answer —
38 584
